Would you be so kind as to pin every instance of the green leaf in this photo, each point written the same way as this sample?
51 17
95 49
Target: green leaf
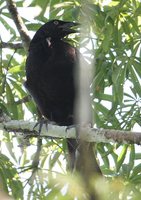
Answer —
135 80
136 171
138 156
136 179
138 11
15 69
136 66
10 178
104 155
11 103
107 38
106 97
134 24
121 157
131 160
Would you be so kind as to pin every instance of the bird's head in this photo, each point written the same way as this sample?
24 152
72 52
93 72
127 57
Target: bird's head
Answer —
57 29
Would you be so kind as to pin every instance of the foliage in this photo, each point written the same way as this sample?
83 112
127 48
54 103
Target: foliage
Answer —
113 36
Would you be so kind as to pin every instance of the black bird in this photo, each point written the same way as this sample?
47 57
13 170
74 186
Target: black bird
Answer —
50 68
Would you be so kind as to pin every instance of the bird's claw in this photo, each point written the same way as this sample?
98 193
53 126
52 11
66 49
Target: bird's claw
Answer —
40 123
69 127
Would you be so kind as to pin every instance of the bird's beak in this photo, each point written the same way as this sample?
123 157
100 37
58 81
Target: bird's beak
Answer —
67 27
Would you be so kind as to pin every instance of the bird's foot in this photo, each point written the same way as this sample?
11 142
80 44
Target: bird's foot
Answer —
40 123
75 126
79 128
70 126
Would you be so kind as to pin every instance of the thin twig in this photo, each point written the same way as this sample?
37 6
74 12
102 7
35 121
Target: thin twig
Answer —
19 23
11 45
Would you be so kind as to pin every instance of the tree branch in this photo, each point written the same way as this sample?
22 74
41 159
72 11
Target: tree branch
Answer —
90 134
11 45
19 23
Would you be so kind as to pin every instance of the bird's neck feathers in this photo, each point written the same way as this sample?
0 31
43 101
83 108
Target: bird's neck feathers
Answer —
45 42
40 39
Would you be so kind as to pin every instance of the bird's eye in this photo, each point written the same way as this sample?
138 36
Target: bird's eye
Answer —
56 22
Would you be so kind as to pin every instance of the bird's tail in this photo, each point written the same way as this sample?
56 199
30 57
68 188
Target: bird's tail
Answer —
72 148
83 160
82 157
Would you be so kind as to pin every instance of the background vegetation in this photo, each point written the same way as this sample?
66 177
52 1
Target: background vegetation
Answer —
113 37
